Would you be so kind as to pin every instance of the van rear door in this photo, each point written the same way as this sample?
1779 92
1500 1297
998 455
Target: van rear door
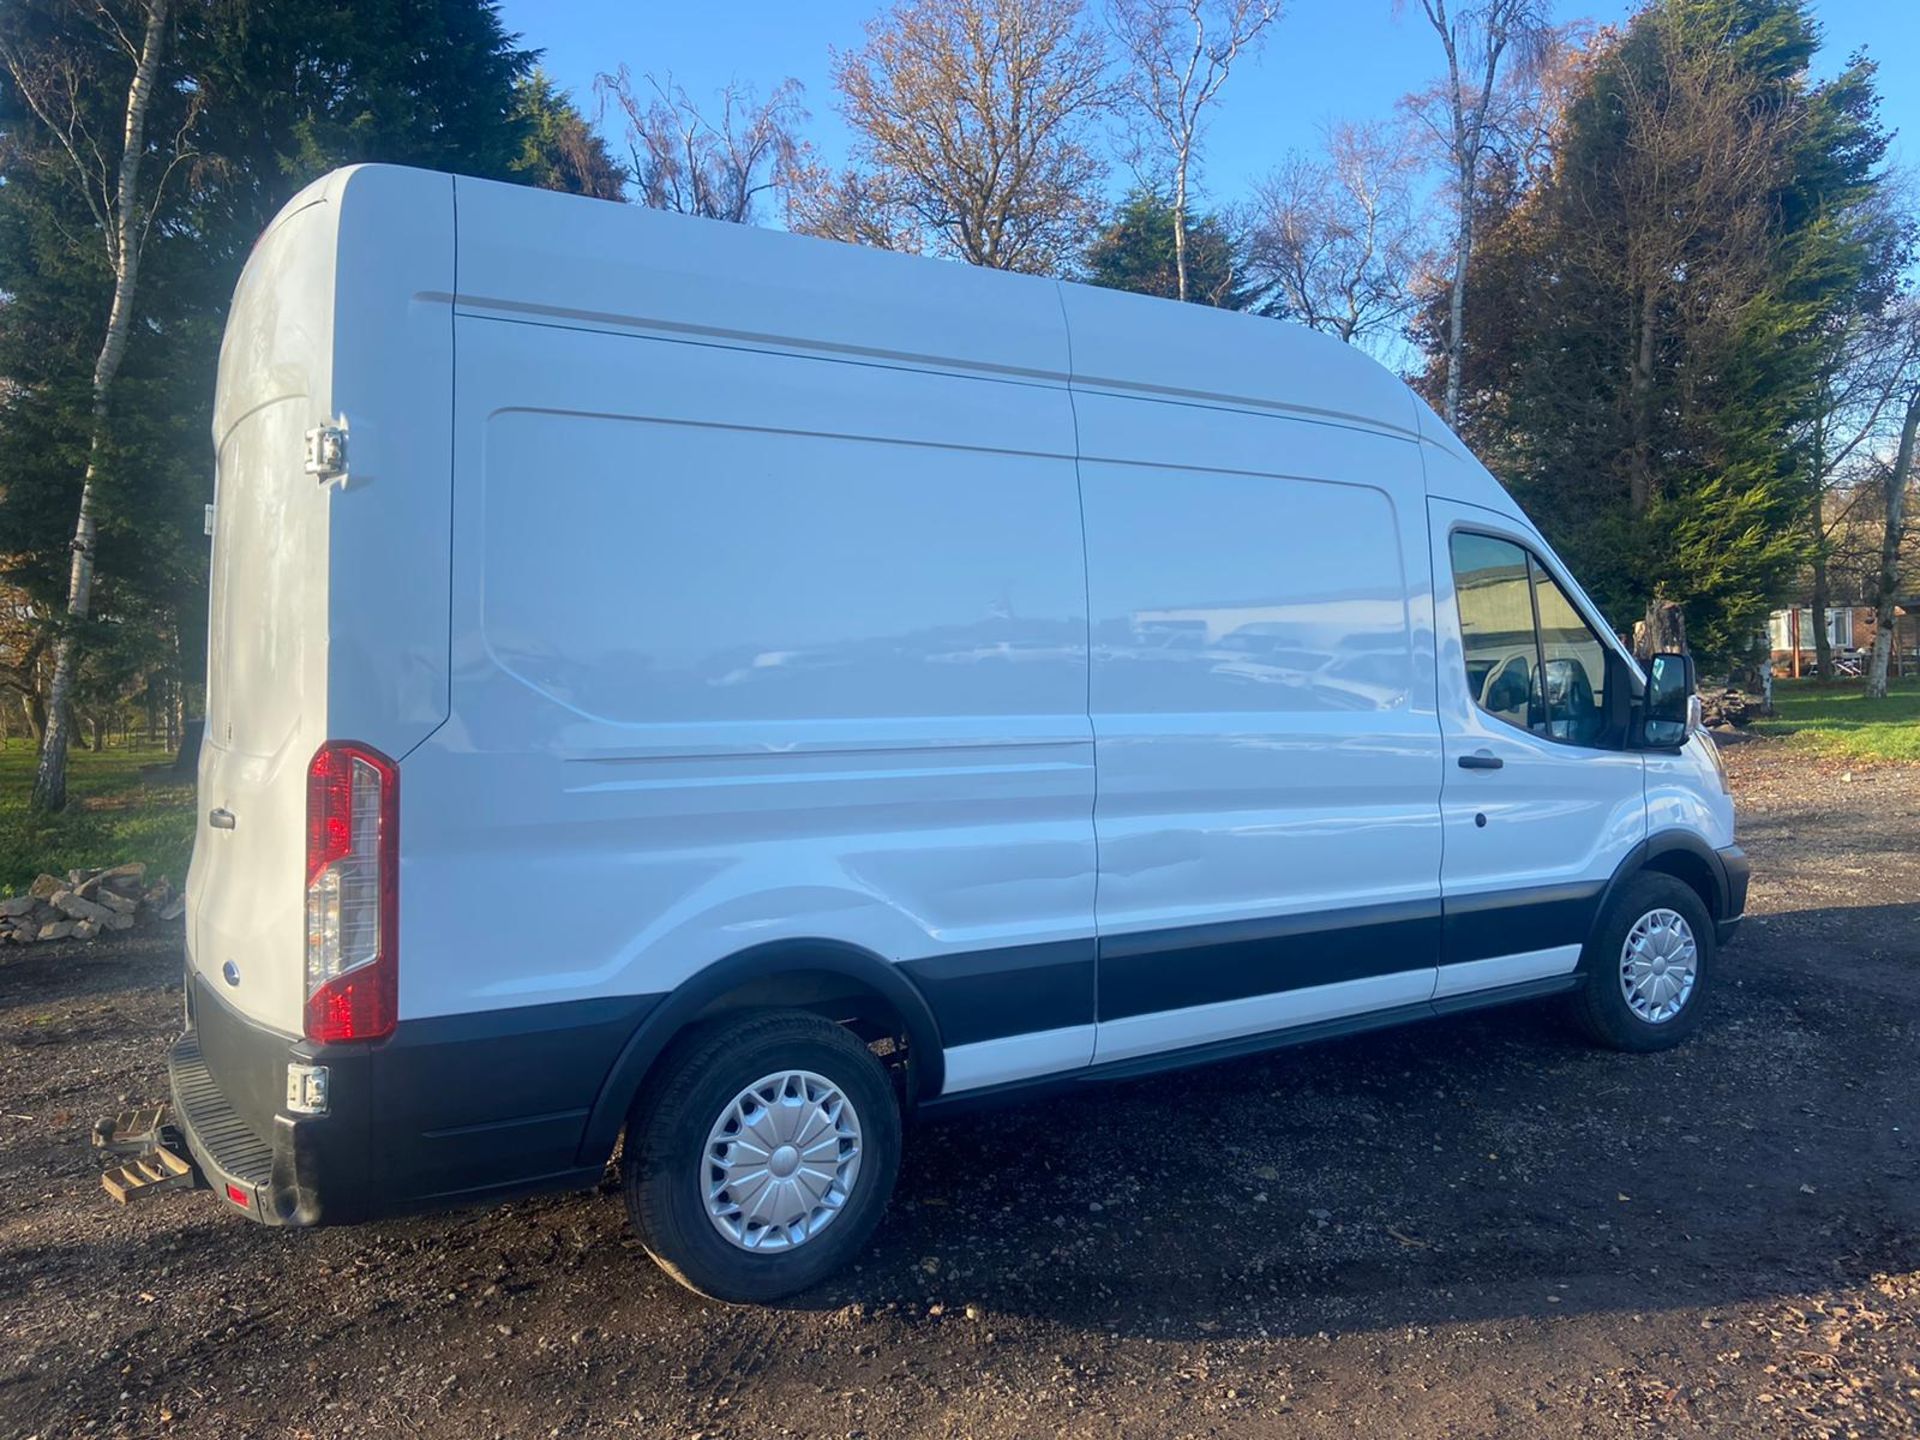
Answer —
267 629
329 594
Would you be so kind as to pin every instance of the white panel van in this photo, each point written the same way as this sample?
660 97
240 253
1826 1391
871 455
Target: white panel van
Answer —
713 693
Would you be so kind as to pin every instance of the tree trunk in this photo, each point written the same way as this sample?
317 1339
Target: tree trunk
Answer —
1662 632
1883 616
1821 588
123 243
1822 643
1180 227
1640 458
1457 304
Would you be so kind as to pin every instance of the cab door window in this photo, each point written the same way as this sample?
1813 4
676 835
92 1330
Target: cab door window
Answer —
1491 587
1531 660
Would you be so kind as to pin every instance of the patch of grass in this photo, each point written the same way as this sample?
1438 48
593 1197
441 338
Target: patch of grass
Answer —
1838 720
111 816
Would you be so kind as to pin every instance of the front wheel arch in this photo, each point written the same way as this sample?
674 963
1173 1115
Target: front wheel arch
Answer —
1682 854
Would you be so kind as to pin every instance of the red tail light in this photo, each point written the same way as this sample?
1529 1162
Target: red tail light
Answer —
353 880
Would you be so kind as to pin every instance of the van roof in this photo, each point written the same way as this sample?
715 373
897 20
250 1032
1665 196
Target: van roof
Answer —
562 259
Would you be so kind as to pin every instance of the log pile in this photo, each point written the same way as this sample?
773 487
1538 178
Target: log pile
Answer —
87 904
1726 707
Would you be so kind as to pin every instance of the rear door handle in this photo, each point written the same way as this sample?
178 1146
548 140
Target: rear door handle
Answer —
1481 762
220 819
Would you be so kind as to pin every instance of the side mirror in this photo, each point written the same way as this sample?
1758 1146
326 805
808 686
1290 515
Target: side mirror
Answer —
1670 706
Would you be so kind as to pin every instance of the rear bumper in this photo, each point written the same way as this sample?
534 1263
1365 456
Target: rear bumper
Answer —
443 1112
1735 870
228 1078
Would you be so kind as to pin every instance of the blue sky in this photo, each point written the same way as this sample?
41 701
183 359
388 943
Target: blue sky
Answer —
1327 60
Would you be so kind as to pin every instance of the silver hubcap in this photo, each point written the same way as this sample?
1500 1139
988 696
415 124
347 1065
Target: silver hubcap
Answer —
781 1161
1658 965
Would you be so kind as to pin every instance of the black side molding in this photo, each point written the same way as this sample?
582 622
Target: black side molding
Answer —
1021 1091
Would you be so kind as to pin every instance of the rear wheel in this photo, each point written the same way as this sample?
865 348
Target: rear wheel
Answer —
1648 966
761 1155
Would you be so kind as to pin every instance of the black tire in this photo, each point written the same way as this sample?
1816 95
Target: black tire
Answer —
1600 1005
664 1173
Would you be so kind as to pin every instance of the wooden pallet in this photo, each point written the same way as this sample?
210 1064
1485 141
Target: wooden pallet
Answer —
148 1174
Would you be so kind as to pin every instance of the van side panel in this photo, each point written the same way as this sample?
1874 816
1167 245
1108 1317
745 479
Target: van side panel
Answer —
751 647
1263 709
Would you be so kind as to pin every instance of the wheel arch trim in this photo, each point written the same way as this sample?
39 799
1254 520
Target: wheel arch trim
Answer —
1658 845
760 962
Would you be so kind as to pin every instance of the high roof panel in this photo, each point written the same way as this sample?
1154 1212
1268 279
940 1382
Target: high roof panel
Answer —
1124 341
534 253
563 259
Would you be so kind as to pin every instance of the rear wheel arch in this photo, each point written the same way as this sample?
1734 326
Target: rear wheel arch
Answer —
839 981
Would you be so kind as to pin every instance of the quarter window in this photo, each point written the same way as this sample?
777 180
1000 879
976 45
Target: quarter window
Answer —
1531 660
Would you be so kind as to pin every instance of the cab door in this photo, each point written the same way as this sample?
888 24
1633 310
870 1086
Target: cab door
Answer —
1539 801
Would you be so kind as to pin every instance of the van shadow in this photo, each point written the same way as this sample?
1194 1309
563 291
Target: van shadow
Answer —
1489 1165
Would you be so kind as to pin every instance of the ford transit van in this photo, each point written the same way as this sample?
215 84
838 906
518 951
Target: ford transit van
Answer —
707 695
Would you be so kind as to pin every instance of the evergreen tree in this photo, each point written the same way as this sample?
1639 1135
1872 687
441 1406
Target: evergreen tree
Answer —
1648 325
561 151
1136 251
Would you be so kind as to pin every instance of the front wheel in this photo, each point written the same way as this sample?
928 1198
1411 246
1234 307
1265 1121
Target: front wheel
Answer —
1648 966
761 1155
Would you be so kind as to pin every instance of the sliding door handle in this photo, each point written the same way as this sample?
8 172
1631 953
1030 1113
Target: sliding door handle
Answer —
220 819
1481 762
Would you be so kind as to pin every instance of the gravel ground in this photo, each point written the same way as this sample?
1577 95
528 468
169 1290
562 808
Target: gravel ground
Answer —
1473 1227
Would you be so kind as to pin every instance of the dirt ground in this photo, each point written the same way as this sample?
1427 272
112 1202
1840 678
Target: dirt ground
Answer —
1472 1227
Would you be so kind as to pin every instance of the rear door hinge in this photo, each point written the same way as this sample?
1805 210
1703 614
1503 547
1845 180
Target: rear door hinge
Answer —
327 450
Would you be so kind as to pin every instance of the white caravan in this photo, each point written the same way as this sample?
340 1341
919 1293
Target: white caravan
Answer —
734 691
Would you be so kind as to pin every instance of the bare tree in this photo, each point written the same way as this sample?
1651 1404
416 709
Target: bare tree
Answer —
848 205
972 117
715 168
1477 40
1338 237
59 83
1181 52
1857 398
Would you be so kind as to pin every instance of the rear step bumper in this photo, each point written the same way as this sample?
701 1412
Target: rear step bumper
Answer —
235 1162
228 1077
